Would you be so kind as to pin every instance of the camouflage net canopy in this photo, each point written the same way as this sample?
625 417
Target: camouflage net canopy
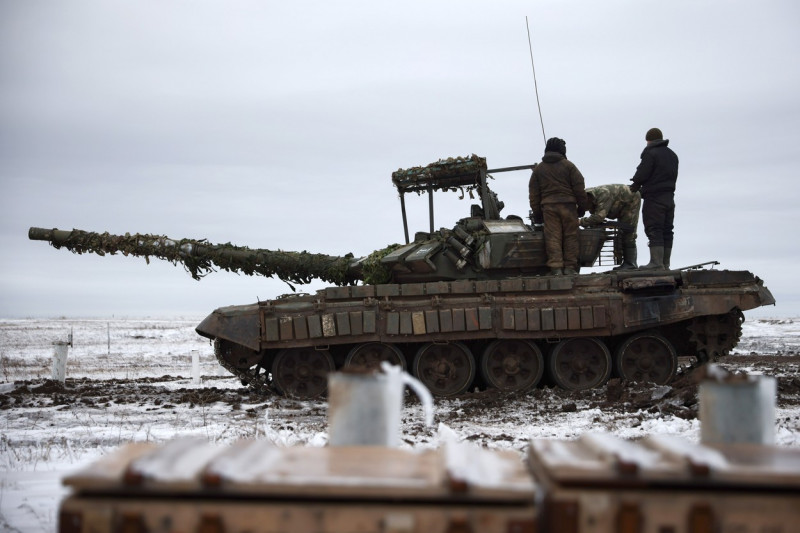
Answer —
453 173
200 257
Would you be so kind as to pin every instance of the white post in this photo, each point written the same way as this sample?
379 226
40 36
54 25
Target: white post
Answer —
60 361
108 332
196 367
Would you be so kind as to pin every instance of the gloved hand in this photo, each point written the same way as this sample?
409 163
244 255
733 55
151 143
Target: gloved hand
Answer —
583 222
634 187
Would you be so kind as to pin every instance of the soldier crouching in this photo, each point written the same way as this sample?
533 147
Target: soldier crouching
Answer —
616 202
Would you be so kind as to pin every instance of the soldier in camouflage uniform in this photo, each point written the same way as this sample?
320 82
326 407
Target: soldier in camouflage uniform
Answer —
557 198
617 202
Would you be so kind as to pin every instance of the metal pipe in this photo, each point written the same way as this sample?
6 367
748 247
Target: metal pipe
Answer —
509 169
430 206
405 218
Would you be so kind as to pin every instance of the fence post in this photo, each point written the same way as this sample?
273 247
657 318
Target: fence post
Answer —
60 351
196 367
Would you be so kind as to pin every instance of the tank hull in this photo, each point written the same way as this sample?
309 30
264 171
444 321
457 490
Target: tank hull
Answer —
559 323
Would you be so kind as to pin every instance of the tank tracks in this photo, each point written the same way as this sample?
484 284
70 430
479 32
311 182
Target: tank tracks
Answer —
710 337
716 335
252 377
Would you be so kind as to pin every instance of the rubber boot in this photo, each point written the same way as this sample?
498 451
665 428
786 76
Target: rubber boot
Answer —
656 259
628 258
667 254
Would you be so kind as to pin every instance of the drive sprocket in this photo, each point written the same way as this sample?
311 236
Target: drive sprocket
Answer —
714 336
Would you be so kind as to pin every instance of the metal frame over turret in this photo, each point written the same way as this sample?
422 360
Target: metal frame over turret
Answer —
451 174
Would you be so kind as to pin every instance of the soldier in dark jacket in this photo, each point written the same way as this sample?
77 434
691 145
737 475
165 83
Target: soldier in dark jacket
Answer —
655 177
557 197
617 202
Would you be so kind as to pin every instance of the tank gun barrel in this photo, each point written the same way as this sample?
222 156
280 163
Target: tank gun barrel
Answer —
199 257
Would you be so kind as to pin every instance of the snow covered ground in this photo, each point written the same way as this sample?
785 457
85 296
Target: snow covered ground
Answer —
131 380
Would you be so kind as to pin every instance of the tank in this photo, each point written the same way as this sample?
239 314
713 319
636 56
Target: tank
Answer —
461 307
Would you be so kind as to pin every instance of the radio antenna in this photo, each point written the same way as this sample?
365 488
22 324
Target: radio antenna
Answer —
535 86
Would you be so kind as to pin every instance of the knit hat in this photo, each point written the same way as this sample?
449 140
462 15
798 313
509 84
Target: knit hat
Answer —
654 134
554 144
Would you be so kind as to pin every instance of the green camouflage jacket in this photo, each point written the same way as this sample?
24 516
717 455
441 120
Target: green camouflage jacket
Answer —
614 201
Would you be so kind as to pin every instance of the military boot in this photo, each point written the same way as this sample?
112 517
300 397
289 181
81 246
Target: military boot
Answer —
628 258
569 271
667 254
555 272
656 259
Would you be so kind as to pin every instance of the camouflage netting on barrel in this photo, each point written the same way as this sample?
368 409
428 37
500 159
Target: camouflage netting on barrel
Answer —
199 257
373 271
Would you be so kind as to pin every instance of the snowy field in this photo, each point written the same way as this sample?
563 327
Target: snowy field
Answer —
131 380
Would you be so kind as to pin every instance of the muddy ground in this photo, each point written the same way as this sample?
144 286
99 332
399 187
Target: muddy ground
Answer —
616 394
483 416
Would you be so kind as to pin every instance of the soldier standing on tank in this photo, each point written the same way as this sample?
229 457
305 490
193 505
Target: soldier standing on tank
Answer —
557 197
617 202
655 177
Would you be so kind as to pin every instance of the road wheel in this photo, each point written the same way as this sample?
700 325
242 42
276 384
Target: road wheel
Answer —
646 357
446 369
579 364
512 365
370 355
302 373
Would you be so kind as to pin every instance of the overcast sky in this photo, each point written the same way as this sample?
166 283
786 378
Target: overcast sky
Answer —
278 125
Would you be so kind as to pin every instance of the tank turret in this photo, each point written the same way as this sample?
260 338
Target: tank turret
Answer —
461 306
474 249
